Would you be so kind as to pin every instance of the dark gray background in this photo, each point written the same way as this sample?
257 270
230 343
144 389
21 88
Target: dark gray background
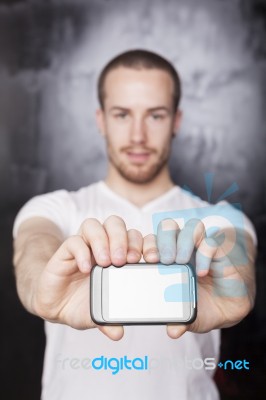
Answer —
51 53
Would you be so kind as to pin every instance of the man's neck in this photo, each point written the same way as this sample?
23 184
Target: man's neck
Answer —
136 193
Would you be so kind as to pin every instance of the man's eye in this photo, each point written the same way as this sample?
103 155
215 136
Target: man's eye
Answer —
121 115
157 116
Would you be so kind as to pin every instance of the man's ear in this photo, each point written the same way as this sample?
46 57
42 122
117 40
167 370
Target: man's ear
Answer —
177 121
100 121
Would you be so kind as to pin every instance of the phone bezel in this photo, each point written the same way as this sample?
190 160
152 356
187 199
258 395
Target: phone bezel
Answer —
99 299
96 295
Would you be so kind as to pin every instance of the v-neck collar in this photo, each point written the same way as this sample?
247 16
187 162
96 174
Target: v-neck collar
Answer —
149 205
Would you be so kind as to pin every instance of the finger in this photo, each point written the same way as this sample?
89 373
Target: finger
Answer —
96 237
135 243
204 256
150 251
176 331
166 240
72 255
113 332
189 237
118 239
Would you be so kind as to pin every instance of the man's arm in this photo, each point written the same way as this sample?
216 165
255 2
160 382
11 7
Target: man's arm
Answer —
53 275
37 240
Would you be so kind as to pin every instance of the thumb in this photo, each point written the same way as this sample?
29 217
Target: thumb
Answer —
71 256
113 332
176 331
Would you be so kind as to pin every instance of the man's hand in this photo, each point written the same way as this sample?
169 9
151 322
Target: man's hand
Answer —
62 290
226 281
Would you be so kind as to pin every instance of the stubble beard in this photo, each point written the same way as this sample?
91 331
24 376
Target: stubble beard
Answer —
139 174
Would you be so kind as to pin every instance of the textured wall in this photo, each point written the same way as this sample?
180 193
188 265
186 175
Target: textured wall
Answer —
50 56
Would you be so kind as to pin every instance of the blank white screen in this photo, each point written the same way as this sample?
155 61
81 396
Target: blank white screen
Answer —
139 293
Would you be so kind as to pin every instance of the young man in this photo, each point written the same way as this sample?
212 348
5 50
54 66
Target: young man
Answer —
61 235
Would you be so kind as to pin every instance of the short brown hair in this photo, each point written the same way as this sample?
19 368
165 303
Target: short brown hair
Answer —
138 59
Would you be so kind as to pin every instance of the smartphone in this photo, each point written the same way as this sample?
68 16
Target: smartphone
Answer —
143 294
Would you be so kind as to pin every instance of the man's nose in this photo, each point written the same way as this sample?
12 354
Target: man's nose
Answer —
138 132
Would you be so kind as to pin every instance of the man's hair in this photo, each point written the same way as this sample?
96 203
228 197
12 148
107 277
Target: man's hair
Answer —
140 59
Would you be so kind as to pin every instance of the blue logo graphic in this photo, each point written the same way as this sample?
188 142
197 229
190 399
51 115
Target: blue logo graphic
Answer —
224 226
118 364
238 364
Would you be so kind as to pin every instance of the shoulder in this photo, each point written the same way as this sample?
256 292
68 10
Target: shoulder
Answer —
59 206
186 206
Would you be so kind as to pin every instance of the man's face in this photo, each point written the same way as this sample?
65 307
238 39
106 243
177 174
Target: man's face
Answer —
138 121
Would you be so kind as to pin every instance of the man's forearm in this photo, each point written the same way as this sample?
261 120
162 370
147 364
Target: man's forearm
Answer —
30 257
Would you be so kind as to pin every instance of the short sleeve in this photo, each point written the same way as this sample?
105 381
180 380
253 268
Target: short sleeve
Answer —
56 206
240 220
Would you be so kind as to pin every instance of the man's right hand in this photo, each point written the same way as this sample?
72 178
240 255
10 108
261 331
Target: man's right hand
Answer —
61 293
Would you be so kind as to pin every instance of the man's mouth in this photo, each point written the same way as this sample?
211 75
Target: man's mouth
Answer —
138 157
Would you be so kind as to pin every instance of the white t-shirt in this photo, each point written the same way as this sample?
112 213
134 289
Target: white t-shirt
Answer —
175 369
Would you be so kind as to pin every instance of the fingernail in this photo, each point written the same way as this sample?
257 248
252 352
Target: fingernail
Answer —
153 255
133 255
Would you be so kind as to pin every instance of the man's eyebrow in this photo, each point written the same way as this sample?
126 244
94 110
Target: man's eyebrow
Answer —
119 108
159 108
152 109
